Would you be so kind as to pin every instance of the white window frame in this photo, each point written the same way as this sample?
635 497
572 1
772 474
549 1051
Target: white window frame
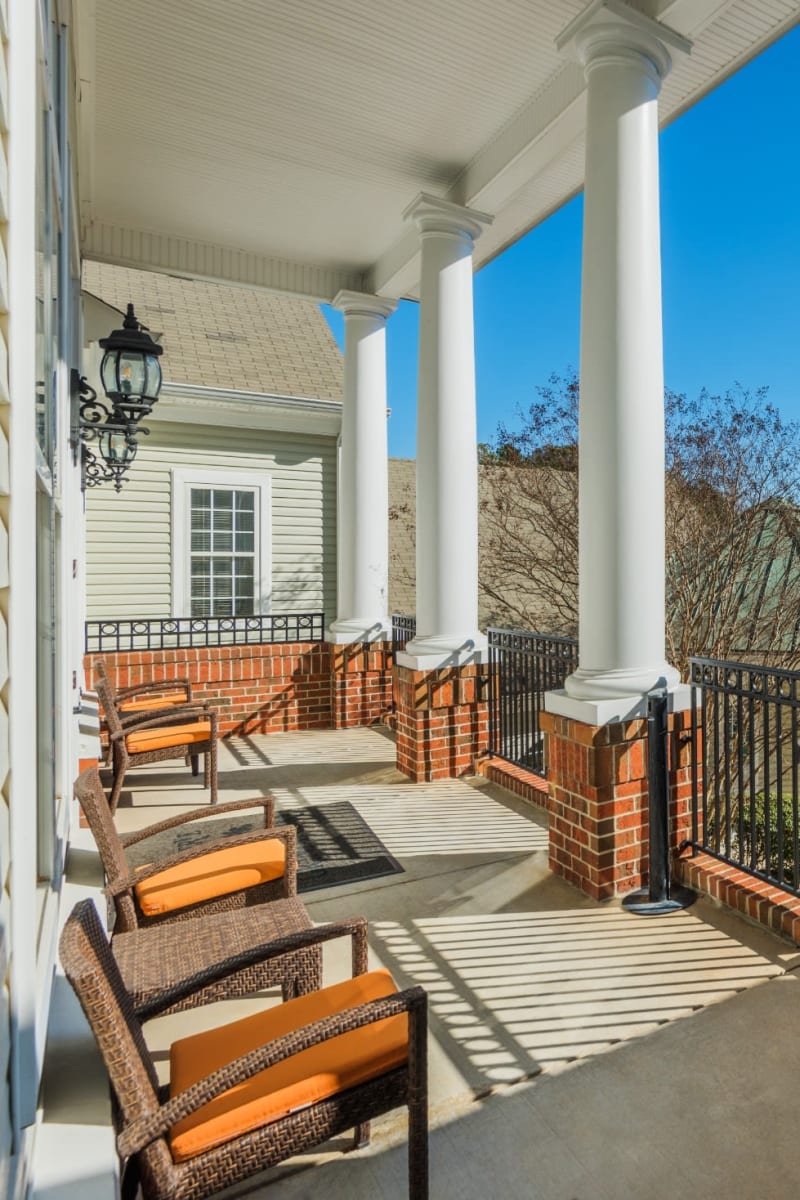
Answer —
183 480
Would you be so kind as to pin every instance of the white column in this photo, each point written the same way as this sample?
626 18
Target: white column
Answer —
621 432
447 459
363 505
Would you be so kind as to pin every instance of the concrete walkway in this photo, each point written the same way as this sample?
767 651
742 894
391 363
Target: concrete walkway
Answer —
577 1052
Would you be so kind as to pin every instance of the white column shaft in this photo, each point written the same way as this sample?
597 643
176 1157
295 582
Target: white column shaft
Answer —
447 462
447 472
621 506
363 530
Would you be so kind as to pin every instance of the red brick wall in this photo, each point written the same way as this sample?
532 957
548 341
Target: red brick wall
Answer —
361 684
256 689
442 721
599 800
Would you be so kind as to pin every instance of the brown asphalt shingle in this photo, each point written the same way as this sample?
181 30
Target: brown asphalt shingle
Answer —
217 335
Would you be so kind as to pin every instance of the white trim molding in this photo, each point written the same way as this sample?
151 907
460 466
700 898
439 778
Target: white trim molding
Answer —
259 482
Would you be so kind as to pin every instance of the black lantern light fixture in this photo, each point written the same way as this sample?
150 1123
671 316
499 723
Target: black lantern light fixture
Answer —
130 370
131 376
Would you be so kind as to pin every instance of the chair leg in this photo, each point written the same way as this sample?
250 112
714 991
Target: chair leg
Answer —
211 764
194 759
361 1136
119 768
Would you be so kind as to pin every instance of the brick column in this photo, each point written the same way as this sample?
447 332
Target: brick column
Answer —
442 721
361 684
599 800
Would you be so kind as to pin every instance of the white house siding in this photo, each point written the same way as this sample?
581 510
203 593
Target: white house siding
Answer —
5 829
129 534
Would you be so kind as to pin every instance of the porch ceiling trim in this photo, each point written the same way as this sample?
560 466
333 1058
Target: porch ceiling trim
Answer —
152 251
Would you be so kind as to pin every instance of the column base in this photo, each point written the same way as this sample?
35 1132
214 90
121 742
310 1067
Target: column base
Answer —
610 709
361 684
585 684
355 629
440 651
442 721
597 774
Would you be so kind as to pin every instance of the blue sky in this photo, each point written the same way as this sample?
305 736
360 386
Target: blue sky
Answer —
730 236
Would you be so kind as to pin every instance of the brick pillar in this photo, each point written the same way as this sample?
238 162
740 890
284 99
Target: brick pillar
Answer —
599 800
361 684
442 721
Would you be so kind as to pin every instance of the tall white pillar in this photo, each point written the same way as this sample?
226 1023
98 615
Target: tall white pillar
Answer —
447 457
621 432
363 507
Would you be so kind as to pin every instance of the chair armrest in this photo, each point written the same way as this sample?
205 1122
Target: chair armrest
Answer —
172 711
286 834
145 1129
353 927
198 814
165 718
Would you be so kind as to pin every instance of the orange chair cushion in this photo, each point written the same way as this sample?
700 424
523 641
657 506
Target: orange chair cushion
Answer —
219 873
305 1078
145 704
168 735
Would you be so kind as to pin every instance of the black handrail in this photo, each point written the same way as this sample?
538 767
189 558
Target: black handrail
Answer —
175 633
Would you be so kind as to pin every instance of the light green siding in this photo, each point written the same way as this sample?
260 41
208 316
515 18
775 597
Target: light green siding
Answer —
129 534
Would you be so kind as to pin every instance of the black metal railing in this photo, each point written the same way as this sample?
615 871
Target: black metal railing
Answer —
745 783
523 666
403 630
175 633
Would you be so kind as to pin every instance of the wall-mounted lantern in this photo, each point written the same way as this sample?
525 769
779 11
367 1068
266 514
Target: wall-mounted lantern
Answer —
130 370
131 376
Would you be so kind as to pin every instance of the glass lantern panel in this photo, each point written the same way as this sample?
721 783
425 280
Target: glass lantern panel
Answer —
152 384
132 374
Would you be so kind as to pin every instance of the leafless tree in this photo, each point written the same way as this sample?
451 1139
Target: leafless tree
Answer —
732 525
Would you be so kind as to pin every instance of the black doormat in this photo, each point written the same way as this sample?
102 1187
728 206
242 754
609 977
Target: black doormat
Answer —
334 844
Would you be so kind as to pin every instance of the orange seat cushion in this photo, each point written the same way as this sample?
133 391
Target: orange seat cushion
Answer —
305 1078
219 873
166 736
145 704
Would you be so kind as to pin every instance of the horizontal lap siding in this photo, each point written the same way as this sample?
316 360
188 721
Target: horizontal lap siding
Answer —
128 535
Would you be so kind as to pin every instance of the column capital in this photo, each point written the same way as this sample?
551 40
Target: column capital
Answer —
434 215
611 29
363 304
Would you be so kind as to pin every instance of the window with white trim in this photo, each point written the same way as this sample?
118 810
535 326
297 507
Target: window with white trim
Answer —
221 544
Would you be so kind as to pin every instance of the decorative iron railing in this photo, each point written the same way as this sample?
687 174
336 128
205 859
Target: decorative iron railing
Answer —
746 778
175 633
403 630
523 666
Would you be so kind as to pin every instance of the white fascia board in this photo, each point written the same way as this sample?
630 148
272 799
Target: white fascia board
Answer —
191 258
190 404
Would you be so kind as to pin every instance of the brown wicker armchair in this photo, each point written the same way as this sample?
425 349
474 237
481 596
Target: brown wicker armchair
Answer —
250 1094
150 697
182 731
237 872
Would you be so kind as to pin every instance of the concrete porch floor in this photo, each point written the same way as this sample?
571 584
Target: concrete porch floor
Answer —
577 1052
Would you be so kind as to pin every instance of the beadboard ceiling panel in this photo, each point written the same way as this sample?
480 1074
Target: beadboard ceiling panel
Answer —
278 143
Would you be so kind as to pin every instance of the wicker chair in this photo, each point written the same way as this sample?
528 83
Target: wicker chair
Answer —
255 1092
152 894
183 731
154 696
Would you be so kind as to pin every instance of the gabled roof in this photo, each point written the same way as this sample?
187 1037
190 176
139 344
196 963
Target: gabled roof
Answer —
220 336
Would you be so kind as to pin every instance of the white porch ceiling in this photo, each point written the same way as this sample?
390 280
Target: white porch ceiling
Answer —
278 143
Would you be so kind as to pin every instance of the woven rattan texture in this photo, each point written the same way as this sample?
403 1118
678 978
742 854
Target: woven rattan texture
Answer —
122 757
145 1116
121 879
